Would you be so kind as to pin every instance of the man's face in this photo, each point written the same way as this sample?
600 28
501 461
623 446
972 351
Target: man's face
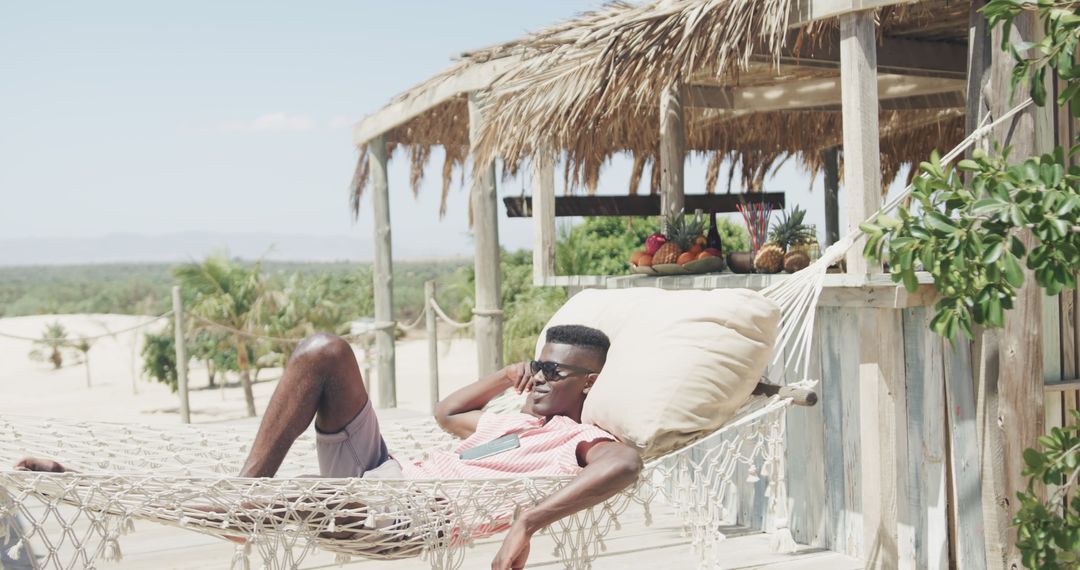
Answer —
566 396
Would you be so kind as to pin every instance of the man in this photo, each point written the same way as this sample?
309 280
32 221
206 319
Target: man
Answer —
322 381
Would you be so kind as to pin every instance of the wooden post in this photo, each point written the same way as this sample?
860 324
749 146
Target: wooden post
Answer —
967 515
433 343
383 276
1021 410
883 435
832 195
488 311
181 354
923 471
672 151
859 101
543 215
984 357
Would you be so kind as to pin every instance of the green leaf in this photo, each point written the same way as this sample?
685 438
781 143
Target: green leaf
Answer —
1014 274
968 165
993 253
937 221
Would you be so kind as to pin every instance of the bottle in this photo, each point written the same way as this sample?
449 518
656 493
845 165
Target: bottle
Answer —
712 239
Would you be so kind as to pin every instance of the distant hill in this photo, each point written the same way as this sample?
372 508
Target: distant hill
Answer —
185 246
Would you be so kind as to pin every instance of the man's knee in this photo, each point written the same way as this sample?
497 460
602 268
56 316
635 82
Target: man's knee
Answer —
323 349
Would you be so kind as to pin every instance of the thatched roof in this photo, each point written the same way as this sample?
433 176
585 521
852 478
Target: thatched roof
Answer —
590 87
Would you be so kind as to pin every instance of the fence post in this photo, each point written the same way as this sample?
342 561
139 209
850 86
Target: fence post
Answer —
433 342
181 355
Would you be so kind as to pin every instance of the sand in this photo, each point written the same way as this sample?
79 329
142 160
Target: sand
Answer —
120 391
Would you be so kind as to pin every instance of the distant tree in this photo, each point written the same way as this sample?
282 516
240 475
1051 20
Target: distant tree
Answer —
229 294
53 340
159 358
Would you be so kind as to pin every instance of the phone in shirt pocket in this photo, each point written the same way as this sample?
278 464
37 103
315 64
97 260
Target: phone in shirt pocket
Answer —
493 447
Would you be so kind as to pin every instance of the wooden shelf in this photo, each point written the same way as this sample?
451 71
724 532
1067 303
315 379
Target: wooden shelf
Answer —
841 290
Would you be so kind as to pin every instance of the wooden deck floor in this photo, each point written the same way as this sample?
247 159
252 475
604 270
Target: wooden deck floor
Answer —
635 546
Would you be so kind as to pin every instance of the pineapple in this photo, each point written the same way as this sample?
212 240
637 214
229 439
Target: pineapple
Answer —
770 258
786 248
681 232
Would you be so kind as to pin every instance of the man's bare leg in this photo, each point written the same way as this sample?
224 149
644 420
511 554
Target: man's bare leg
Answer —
322 381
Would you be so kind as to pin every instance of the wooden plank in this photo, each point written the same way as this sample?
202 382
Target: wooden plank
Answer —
1051 339
543 184
672 151
383 276
802 12
824 93
862 161
1063 386
966 489
880 377
925 465
840 407
899 56
805 449
986 360
485 216
632 205
470 78
1021 411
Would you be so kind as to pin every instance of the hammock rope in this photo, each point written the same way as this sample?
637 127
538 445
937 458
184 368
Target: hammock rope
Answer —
181 476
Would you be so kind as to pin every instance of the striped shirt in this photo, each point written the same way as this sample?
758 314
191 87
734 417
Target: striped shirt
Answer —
547 449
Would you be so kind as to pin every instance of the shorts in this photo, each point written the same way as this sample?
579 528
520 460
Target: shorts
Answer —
356 449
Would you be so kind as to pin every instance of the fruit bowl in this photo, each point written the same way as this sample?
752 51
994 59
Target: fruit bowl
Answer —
706 265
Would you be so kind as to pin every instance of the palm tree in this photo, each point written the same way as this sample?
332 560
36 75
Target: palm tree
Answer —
53 338
230 295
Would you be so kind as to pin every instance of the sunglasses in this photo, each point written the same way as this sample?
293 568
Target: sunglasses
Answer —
551 370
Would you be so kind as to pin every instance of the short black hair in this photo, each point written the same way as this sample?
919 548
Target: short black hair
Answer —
580 336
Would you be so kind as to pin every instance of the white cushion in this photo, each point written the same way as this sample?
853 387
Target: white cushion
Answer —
681 363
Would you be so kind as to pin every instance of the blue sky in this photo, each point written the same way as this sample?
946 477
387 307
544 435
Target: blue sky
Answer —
151 117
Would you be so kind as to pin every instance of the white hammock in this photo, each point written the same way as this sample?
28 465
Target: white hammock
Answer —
163 474
177 475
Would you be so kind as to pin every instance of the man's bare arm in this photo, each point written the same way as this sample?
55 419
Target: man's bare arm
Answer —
459 412
610 467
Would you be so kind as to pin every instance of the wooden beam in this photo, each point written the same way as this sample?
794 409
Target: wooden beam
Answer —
824 93
543 216
923 470
862 161
899 56
966 481
831 160
471 78
802 12
634 205
1021 413
488 310
672 151
884 437
383 276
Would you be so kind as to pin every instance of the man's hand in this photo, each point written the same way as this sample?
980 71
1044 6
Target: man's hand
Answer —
39 465
514 552
520 376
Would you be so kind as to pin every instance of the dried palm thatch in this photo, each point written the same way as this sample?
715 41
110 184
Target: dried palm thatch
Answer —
590 89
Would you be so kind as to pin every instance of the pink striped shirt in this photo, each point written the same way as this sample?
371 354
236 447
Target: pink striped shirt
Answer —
546 449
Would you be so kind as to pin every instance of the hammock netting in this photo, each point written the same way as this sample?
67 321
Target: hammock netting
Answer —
183 476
